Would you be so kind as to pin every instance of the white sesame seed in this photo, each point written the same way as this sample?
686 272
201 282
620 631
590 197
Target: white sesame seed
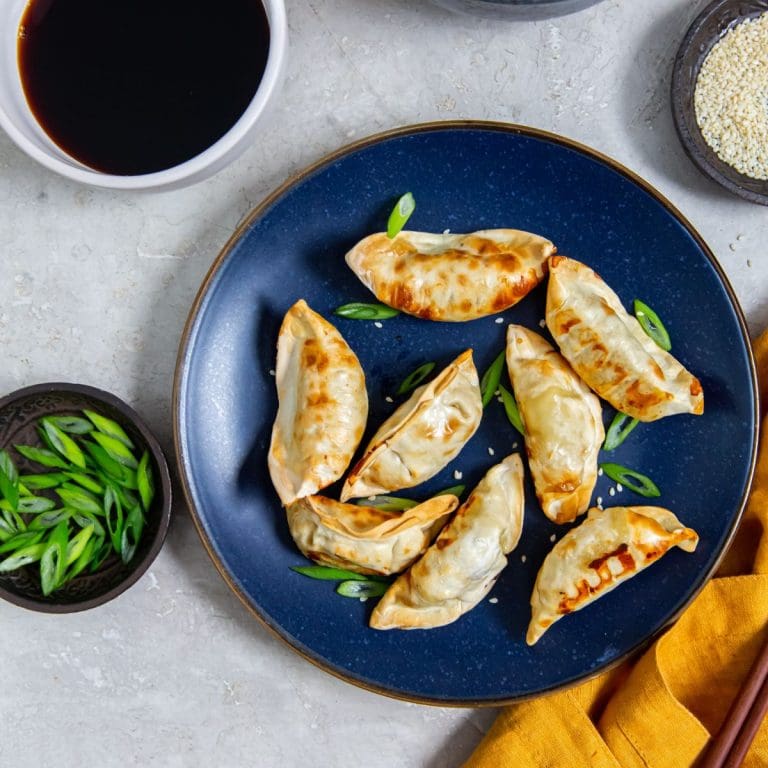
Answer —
523 558
446 231
553 537
493 600
271 371
491 452
542 323
599 506
363 599
599 500
457 475
611 491
600 472
389 399
499 320
619 487
514 445
378 324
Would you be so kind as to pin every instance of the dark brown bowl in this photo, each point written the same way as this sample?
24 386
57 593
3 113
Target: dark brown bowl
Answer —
708 27
19 412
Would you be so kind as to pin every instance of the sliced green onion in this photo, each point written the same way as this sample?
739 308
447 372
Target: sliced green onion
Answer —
619 430
454 490
53 561
116 449
84 521
77 544
402 211
134 525
50 519
42 456
41 482
85 558
103 461
100 554
327 573
9 480
34 504
358 310
26 539
362 588
113 513
72 424
145 481
491 378
652 325
387 503
79 499
413 379
511 409
109 427
630 479
12 517
63 443
23 556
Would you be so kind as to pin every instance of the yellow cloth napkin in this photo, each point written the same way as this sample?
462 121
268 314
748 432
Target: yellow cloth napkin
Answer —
660 710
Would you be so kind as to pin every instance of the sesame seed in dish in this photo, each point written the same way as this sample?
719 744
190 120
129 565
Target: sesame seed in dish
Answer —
731 98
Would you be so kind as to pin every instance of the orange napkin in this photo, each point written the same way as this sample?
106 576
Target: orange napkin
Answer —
660 710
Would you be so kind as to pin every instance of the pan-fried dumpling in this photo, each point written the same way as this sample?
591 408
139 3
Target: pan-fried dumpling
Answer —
422 435
608 348
460 568
322 408
451 277
609 547
366 539
563 424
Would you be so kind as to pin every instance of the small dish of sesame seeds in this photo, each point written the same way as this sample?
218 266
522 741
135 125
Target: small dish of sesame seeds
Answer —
720 95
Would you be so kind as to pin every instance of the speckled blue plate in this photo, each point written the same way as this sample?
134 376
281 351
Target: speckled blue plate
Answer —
464 176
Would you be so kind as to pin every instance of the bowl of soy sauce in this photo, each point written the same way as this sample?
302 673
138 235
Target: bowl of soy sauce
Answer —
138 94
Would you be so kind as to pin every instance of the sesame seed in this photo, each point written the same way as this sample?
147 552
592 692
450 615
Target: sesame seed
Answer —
494 600
553 537
611 491
271 371
491 452
600 506
514 445
542 323
362 599
457 475
731 98
499 320
446 231
523 558
600 472
599 500
378 324
619 487
389 399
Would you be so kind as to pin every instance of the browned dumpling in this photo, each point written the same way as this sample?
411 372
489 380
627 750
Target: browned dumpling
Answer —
563 424
609 547
322 407
423 435
366 539
451 277
608 348
462 566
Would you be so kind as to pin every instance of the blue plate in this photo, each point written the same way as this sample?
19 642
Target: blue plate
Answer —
464 176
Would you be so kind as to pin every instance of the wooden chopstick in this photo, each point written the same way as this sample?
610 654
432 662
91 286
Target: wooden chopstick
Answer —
743 720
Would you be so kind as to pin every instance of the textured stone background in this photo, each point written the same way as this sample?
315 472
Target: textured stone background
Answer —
95 287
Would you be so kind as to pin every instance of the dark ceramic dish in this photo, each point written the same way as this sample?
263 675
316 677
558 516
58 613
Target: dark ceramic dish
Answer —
19 412
520 10
464 176
709 27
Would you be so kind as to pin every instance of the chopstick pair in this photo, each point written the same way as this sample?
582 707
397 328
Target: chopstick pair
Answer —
739 728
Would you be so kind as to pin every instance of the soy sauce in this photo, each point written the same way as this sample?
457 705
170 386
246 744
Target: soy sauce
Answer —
136 86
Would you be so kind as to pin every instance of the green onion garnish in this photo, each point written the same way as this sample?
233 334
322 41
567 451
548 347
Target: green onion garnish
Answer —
358 310
491 378
630 479
387 503
413 379
327 573
362 588
402 211
651 323
454 490
619 430
511 409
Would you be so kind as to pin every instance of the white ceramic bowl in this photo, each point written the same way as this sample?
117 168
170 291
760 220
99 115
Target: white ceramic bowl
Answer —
20 124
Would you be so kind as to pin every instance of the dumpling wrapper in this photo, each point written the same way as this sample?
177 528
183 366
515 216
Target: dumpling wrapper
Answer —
462 566
366 539
451 277
608 348
322 407
423 435
609 547
563 424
